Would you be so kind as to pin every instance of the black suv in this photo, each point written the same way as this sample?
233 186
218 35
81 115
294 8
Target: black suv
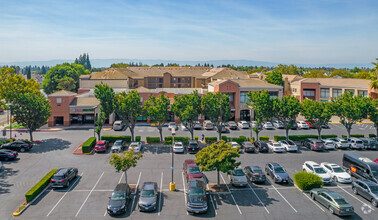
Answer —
63 177
7 154
118 201
192 146
313 144
261 146
19 145
196 196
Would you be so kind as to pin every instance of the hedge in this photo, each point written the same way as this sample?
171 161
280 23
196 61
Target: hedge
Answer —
37 188
372 135
354 135
279 138
196 138
210 139
307 181
153 140
113 138
138 138
88 145
168 140
264 138
325 136
225 138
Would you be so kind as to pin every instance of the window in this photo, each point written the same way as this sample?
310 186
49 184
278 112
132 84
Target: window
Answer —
294 89
363 93
324 93
308 92
231 95
273 94
243 97
58 100
336 93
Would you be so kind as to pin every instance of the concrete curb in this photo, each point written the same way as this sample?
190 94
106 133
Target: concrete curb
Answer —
78 148
18 213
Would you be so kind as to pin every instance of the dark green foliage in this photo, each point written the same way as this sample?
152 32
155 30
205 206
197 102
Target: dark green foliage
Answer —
209 140
279 138
264 138
84 60
138 138
113 138
225 138
37 188
239 139
88 145
168 140
196 138
325 136
354 135
307 181
274 77
184 140
372 135
152 140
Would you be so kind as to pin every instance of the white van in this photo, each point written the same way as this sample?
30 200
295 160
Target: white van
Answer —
118 125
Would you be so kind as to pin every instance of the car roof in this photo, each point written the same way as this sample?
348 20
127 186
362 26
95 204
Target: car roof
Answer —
189 161
233 142
275 164
247 142
134 142
255 167
178 142
101 142
61 171
369 183
6 150
118 141
312 163
334 195
149 185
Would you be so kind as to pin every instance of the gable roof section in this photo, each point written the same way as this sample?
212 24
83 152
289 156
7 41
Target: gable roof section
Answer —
63 93
250 83
356 83
112 73
85 101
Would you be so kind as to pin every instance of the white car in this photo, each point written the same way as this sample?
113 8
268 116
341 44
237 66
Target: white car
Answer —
340 143
243 125
275 147
136 146
197 125
337 173
235 145
117 146
183 128
178 147
289 145
303 125
118 125
172 125
312 167
208 125
329 144
356 143
253 124
268 125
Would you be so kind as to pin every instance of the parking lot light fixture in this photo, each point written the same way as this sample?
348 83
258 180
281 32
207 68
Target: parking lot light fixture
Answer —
172 185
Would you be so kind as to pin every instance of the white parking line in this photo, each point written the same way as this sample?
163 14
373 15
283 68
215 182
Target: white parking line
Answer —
358 199
258 198
120 179
77 179
136 190
310 199
284 198
231 194
89 195
161 189
183 183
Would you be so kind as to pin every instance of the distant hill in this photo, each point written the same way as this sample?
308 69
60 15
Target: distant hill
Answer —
108 62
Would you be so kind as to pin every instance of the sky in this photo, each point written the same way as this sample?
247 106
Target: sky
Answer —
284 31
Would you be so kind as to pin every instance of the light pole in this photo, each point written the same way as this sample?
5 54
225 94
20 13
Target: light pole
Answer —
172 185
94 122
10 121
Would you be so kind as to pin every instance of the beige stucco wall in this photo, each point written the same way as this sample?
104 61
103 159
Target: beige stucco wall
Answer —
114 83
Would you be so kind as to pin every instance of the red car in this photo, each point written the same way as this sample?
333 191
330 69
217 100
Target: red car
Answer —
376 160
101 146
310 125
191 170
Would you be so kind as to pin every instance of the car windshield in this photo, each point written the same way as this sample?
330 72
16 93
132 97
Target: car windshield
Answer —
375 174
172 124
117 143
197 192
359 142
258 171
100 145
134 145
118 196
343 142
237 173
374 189
194 170
318 143
341 201
319 170
178 145
193 145
291 142
276 145
58 177
338 170
148 193
279 170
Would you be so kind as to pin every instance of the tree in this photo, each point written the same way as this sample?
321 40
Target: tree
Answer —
43 70
28 72
288 70
216 107
157 109
84 60
219 157
66 83
374 76
316 74
350 109
342 73
275 78
188 108
119 65
317 113
105 94
31 110
128 107
60 71
262 106
372 112
125 161
99 123
286 110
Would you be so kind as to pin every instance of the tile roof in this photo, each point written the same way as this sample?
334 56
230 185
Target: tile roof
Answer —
364 83
246 83
112 73
291 78
62 93
85 101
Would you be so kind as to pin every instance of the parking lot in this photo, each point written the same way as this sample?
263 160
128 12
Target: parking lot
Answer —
88 196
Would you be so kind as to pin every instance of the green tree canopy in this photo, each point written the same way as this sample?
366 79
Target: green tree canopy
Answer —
218 157
342 72
119 65
125 161
188 108
66 83
315 73
374 76
105 94
373 113
275 78
84 60
288 70
287 110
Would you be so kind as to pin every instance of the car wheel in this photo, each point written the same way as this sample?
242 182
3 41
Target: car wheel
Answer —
348 171
6 159
355 190
313 196
331 210
22 149
68 184
335 179
374 202
304 170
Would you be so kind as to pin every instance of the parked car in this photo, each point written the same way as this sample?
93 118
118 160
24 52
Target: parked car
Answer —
337 173
197 125
148 197
191 170
118 146
6 154
196 196
248 146
253 124
325 126
276 172
278 124
329 144
208 125
172 125
360 167
302 125
238 178
369 143
376 160
118 125
255 174
136 146
235 145
312 167
310 125
183 128
275 147
366 189
178 147
268 125
63 177
193 146
101 146
341 143
313 144
232 125
261 146
289 145
356 144
335 203
224 128
1 165
119 200
243 125
293 125
18 145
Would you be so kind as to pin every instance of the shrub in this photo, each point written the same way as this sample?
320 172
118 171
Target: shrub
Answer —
113 138
168 140
184 140
138 138
196 138
307 181
153 140
225 138
210 140
88 145
301 137
279 138
37 188
372 135
354 135
264 138
328 136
